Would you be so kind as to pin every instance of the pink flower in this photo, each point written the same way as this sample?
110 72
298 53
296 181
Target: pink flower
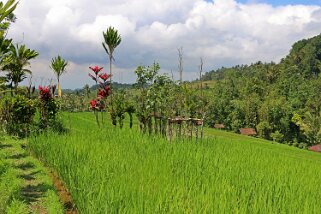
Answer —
93 104
104 76
96 69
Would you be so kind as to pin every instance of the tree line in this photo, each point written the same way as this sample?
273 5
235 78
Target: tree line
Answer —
280 100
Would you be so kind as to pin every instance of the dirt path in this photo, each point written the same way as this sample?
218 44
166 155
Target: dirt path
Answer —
36 190
64 194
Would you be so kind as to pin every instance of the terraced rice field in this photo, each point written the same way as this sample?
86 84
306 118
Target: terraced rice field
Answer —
109 170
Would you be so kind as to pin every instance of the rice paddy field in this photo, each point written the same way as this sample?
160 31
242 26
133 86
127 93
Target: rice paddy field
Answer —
109 170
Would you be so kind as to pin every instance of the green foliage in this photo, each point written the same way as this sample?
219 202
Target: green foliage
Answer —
119 108
15 63
16 115
277 136
310 125
48 110
6 15
264 129
112 39
306 56
145 77
58 65
17 206
74 102
266 96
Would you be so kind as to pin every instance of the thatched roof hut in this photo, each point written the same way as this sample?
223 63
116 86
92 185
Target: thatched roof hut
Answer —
219 126
315 148
248 131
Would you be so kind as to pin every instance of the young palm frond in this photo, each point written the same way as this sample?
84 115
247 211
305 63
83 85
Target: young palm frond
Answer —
111 40
58 65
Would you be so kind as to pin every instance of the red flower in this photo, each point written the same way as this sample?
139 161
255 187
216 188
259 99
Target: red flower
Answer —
107 89
102 94
93 104
45 93
104 76
96 69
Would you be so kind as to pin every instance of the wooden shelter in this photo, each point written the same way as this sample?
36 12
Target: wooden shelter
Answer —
248 131
185 126
219 126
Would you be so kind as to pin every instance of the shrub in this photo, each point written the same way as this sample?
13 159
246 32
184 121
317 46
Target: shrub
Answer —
16 115
277 136
48 109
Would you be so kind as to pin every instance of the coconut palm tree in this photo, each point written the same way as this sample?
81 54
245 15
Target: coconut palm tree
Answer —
58 65
112 40
16 62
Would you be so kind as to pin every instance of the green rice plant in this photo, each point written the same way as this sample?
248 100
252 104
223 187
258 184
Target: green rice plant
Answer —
51 203
17 206
109 170
10 188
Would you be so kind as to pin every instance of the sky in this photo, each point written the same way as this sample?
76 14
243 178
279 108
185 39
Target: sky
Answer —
221 32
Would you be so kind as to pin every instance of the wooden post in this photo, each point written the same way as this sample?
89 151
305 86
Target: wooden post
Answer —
196 134
202 126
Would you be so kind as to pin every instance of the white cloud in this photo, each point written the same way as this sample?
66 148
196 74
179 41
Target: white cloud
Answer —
92 32
223 32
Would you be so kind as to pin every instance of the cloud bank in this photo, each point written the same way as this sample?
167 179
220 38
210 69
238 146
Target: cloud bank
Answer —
222 32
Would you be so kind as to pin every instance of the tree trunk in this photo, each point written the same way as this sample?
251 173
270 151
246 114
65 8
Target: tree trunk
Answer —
111 96
130 120
59 89
150 126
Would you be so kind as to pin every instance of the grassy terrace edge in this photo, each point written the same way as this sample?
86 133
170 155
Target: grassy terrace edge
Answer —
25 184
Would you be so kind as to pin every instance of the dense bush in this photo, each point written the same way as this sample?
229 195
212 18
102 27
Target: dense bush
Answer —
48 110
17 114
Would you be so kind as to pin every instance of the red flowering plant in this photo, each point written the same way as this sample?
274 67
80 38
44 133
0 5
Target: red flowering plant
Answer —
103 91
44 93
96 71
48 106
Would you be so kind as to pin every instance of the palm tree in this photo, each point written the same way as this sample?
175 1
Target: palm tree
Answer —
58 65
112 40
15 64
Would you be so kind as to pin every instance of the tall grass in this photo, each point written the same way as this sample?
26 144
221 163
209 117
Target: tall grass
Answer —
110 170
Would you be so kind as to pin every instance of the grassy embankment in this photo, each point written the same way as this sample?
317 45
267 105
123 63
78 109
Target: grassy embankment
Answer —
109 170
25 186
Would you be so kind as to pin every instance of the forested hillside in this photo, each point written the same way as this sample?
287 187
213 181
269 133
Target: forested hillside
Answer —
281 101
